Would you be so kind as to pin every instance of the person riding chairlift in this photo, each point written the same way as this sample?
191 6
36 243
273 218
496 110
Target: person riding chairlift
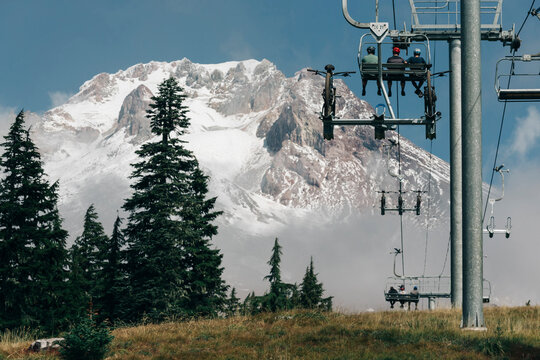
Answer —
370 58
396 59
417 59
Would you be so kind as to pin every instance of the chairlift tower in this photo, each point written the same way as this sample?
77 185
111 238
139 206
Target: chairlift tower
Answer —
468 22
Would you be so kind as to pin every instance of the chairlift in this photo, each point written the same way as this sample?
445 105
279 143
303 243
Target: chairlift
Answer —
390 71
490 228
383 122
517 94
429 287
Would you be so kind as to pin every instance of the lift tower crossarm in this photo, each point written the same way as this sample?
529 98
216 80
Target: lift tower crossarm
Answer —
505 36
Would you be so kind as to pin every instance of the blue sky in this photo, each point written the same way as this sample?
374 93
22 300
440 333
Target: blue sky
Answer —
51 47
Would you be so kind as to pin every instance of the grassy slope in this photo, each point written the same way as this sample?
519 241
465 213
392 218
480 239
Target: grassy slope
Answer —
513 333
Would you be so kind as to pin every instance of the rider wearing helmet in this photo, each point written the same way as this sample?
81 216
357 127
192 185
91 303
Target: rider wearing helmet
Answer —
396 59
370 58
417 59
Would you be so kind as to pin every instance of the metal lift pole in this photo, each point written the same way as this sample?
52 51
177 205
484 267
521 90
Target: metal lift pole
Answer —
473 315
456 233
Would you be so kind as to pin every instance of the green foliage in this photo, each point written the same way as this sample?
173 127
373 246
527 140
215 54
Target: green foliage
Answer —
493 345
278 298
232 305
33 257
88 255
172 269
311 291
284 296
114 276
86 341
275 260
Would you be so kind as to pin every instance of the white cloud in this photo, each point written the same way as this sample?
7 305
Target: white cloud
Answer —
58 98
7 115
527 132
237 48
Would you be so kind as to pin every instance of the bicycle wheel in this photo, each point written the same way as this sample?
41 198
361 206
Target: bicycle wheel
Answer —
428 97
327 109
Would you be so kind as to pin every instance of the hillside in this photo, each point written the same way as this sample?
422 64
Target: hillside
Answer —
513 333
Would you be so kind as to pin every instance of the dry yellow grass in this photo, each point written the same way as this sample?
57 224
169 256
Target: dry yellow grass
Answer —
513 333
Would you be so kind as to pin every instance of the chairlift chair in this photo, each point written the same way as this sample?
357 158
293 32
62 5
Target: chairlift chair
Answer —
380 121
517 94
490 228
394 72
437 287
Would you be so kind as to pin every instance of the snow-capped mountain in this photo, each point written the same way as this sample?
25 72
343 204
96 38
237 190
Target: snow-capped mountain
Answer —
258 135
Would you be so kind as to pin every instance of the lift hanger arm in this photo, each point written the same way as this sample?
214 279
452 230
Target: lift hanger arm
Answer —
349 19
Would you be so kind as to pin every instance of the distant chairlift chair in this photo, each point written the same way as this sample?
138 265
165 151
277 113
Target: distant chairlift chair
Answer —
515 94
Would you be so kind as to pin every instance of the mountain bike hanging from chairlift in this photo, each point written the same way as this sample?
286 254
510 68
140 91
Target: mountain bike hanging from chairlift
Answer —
329 98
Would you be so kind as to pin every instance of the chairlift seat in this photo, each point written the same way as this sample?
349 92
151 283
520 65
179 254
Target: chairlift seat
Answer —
517 64
519 94
401 297
395 72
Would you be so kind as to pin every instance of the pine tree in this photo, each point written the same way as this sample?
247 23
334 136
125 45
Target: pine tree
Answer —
114 276
311 291
32 242
89 250
276 299
233 304
172 269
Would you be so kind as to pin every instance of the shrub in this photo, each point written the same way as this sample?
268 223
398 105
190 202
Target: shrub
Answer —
86 341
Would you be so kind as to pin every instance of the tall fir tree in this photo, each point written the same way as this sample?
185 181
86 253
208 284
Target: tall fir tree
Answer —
232 304
88 256
172 269
33 257
311 291
115 292
276 298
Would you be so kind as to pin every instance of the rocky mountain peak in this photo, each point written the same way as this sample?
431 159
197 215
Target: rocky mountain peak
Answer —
256 133
132 115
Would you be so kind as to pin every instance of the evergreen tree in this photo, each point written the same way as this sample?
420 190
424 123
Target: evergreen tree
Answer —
32 242
252 304
89 250
78 299
233 303
276 298
172 269
311 291
114 277
207 291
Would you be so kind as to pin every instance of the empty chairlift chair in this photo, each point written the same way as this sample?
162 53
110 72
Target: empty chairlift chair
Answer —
523 69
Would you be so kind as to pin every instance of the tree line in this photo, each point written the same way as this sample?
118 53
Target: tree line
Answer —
159 265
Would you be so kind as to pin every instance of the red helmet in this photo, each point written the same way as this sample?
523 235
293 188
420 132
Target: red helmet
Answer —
396 50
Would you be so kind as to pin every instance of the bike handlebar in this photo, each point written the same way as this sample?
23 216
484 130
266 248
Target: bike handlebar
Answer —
323 73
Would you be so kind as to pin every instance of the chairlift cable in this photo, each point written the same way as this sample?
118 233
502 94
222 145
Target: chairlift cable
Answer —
446 256
433 79
499 137
526 18
428 205
394 12
399 160
503 114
